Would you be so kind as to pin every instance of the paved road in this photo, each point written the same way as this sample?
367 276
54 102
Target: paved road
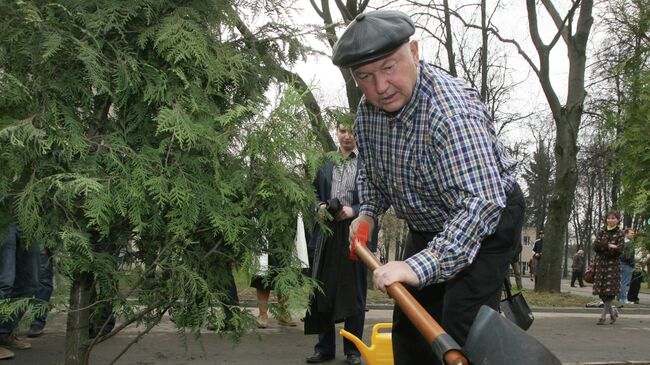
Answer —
573 337
569 333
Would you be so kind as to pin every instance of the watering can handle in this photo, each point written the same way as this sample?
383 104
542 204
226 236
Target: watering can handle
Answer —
444 346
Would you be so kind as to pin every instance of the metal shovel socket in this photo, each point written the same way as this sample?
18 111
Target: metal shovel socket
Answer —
444 346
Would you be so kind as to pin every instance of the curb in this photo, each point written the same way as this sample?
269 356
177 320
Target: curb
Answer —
625 310
610 363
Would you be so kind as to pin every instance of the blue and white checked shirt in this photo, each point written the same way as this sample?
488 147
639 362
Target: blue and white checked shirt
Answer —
439 164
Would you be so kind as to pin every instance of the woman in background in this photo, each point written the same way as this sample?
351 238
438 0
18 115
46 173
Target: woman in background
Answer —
607 278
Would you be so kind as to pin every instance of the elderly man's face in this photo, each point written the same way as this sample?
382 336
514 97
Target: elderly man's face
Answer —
388 83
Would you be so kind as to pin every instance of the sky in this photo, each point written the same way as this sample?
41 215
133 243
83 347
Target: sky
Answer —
512 22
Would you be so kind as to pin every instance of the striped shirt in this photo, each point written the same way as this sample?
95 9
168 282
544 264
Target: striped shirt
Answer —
438 163
343 175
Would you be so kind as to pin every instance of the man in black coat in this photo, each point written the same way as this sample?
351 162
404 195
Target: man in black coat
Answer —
343 281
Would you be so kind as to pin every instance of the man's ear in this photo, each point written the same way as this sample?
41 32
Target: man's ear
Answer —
415 50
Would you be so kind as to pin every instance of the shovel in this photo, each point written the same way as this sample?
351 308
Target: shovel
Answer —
492 339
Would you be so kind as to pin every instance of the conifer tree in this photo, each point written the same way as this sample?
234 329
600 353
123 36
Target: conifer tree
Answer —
538 175
132 133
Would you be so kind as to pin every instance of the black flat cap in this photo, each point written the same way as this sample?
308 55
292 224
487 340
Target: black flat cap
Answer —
371 36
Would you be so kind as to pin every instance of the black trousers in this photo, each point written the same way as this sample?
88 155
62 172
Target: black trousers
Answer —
576 275
635 286
455 303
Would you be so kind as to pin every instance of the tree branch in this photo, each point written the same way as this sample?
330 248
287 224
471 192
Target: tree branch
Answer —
316 8
544 63
138 337
345 13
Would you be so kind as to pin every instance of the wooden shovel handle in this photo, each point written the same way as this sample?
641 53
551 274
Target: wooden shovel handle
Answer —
420 318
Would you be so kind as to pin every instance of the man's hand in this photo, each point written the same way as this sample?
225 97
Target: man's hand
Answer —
394 271
322 211
345 213
355 224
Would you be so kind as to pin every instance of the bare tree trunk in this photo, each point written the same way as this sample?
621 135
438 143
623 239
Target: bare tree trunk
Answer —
400 243
567 119
353 92
484 52
565 271
566 178
76 340
348 11
313 109
449 41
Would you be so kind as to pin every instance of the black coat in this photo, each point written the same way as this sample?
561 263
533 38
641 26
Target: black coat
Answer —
330 263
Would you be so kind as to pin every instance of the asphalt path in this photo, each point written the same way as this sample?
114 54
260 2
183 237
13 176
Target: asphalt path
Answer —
570 333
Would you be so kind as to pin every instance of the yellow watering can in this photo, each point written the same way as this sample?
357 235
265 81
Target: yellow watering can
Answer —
380 351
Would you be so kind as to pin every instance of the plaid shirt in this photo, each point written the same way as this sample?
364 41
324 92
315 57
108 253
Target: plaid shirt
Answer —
439 164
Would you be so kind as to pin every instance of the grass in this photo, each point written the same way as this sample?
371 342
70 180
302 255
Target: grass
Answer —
534 299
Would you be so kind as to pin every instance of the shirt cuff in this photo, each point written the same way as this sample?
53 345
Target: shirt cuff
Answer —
426 267
368 210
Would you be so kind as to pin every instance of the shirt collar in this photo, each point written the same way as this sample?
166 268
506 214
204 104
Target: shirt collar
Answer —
353 154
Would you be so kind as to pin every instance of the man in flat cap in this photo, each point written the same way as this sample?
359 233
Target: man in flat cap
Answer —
429 149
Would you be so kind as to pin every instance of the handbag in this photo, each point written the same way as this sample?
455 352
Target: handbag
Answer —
515 308
589 275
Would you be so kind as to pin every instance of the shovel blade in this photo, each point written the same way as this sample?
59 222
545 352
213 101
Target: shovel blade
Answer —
494 340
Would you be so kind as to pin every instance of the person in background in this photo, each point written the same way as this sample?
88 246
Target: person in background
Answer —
537 254
640 257
578 268
263 293
262 282
343 281
44 292
18 279
430 150
627 265
608 247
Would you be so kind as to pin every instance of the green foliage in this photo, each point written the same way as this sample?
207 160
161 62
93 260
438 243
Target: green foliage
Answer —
630 26
633 144
538 175
138 130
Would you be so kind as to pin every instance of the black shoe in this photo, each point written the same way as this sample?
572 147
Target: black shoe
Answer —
353 359
573 286
319 357
35 331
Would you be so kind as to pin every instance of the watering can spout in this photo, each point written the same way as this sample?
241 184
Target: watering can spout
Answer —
380 351
363 349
